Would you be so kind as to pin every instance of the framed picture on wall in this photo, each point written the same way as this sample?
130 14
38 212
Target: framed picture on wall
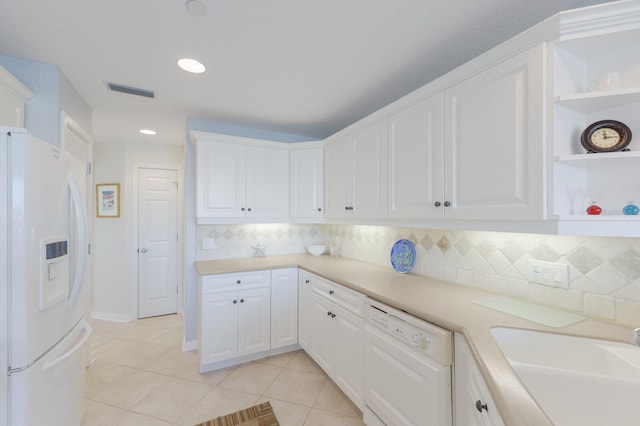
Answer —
108 200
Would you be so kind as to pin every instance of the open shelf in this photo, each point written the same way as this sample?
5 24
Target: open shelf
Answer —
591 102
593 159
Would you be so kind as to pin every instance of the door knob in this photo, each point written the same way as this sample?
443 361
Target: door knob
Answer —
143 250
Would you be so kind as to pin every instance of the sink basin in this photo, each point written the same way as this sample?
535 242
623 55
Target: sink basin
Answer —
575 380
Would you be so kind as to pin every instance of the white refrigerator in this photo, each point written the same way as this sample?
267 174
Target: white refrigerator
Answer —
43 276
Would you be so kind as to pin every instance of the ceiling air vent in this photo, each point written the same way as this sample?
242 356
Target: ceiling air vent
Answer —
115 87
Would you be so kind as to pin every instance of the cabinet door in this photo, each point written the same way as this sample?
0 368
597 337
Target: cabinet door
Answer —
470 388
494 141
284 307
254 322
218 327
304 310
347 362
337 179
267 183
221 179
416 160
368 165
321 336
307 184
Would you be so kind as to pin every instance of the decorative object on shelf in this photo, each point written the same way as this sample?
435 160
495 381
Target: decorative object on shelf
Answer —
259 248
403 256
316 249
606 136
631 209
594 209
108 200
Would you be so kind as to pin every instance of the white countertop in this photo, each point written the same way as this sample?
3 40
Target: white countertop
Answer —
442 303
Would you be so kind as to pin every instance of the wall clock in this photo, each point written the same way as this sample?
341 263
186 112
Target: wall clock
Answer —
606 136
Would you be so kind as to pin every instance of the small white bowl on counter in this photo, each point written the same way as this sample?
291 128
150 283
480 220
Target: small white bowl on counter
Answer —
316 249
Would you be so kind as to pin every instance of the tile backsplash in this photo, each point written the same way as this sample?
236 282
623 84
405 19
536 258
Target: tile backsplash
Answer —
236 241
604 273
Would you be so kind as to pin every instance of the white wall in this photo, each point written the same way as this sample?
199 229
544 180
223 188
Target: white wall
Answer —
113 270
52 93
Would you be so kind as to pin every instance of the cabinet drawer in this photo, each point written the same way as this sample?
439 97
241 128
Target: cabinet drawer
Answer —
235 281
343 296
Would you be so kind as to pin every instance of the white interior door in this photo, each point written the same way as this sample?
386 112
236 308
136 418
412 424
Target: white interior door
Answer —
157 242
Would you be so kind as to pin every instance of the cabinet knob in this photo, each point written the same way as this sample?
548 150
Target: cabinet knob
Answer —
235 301
241 300
319 209
307 281
331 292
333 315
238 282
350 207
480 406
346 207
447 204
437 204
242 209
329 313
249 209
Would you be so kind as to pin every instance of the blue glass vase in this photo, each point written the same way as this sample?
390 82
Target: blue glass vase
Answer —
630 209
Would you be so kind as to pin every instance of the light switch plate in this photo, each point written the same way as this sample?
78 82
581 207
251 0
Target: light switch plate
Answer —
549 273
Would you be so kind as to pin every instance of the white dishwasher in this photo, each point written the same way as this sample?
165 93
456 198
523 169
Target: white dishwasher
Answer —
407 369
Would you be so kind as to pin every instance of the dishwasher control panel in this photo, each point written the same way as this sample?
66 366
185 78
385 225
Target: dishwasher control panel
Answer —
424 337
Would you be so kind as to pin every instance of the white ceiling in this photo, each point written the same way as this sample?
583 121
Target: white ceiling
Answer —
299 67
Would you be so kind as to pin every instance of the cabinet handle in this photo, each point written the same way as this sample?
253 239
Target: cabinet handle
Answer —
241 300
331 292
437 204
242 209
235 301
238 282
480 406
447 204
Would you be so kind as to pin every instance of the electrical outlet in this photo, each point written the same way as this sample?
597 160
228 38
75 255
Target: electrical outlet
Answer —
549 273
208 243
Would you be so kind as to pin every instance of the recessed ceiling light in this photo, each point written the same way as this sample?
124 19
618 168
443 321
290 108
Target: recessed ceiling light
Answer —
191 65
147 132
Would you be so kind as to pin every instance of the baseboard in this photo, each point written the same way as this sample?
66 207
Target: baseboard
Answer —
191 345
106 316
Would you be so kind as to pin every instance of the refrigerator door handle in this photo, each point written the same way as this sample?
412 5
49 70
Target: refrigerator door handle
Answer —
71 352
81 214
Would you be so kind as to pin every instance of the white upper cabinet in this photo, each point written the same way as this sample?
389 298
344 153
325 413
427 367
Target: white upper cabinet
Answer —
221 179
307 185
416 160
356 173
241 181
495 141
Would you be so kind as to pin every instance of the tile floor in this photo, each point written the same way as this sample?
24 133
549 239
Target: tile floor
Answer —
141 377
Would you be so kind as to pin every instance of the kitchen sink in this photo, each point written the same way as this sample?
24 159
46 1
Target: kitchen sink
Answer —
575 380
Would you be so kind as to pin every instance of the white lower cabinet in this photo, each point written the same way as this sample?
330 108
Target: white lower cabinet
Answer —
336 337
304 310
234 317
473 403
284 307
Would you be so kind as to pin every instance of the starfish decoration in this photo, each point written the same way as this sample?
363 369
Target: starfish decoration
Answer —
259 249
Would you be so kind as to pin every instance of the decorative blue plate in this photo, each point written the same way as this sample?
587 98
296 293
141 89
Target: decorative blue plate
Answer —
403 256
